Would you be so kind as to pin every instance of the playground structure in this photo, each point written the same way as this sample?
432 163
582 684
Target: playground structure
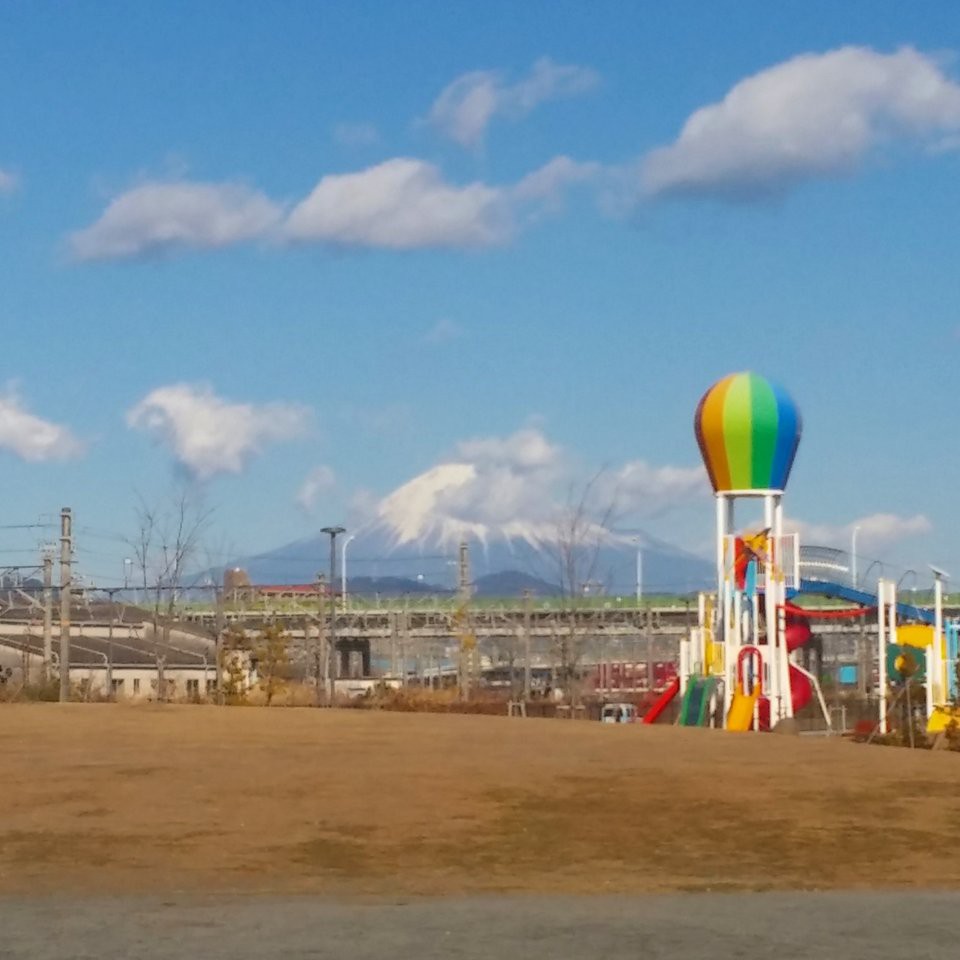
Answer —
739 667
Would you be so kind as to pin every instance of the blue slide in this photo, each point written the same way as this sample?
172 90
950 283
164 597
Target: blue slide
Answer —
840 591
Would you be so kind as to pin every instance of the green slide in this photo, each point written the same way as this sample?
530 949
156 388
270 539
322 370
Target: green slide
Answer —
695 709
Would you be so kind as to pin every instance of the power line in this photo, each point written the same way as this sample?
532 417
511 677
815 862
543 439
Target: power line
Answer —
103 534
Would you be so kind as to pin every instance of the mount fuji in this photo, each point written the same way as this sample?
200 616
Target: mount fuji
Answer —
516 537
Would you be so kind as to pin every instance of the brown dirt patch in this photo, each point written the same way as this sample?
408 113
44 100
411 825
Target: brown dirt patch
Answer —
110 798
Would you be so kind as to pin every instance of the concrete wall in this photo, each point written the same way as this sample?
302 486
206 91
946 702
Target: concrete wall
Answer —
140 683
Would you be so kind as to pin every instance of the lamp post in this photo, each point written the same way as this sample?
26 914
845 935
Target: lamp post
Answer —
639 544
333 532
343 568
853 556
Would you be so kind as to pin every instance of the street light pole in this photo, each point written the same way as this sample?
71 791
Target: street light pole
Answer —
343 568
638 542
853 556
333 532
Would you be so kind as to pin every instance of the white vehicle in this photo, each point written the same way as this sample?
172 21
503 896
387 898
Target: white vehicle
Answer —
618 713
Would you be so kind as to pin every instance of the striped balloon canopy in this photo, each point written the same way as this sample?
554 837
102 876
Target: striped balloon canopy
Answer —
748 430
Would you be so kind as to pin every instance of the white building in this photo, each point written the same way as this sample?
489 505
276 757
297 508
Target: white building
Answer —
132 659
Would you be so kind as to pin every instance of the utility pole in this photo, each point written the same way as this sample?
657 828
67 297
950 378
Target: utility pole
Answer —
109 686
405 639
47 613
333 532
395 668
218 626
322 662
526 645
467 640
66 551
463 572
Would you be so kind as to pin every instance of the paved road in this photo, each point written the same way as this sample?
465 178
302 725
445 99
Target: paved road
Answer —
693 927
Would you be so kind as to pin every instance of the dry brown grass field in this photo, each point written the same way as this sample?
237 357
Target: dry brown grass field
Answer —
110 798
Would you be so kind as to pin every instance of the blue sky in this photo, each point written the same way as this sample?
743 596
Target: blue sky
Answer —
253 245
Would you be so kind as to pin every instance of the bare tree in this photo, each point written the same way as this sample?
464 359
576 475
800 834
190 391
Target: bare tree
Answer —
168 538
581 529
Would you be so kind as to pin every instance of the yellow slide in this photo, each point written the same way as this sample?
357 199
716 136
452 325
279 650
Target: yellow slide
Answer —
740 717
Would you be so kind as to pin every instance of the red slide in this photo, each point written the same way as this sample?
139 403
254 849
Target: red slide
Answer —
797 634
660 704
801 692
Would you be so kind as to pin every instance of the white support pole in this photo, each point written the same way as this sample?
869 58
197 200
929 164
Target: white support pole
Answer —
702 618
684 664
769 503
882 654
721 541
700 653
771 602
737 632
782 592
780 558
724 611
938 645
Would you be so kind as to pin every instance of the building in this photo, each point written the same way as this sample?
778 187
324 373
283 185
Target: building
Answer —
114 648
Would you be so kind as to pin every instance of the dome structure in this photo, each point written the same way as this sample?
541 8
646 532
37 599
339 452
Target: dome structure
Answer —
748 430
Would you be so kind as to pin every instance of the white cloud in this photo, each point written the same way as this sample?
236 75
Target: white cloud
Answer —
814 115
521 487
209 435
443 331
8 181
318 481
494 486
401 204
548 183
526 450
640 487
355 134
464 108
156 218
877 529
30 437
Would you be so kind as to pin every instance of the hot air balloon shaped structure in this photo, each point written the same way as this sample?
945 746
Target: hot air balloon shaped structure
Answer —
748 430
739 666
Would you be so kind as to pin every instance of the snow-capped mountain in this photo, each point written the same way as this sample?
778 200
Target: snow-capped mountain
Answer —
607 562
499 498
